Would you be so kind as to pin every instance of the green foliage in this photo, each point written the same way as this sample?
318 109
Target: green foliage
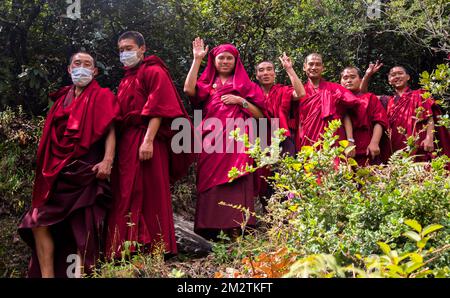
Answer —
19 137
391 264
437 85
424 22
134 264
320 207
394 264
37 39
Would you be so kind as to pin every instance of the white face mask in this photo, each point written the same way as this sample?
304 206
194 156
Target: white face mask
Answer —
81 76
129 58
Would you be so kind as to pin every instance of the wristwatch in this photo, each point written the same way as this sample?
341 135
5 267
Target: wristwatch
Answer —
351 140
244 104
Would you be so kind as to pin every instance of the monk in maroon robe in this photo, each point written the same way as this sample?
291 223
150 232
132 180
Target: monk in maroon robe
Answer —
278 99
65 225
224 92
368 121
142 209
324 101
410 114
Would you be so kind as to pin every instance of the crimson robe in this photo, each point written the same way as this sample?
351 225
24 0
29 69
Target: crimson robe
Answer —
402 112
142 209
91 114
328 102
364 118
212 168
278 105
67 196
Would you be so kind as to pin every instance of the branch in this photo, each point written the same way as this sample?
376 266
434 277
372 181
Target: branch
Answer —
8 23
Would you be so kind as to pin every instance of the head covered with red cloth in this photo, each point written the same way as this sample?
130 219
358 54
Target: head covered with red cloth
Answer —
241 82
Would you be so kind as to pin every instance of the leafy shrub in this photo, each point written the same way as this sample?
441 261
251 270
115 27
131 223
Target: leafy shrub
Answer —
19 138
324 205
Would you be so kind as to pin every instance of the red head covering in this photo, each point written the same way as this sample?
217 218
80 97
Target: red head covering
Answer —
241 82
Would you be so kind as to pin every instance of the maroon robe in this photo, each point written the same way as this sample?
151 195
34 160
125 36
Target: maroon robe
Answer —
67 196
369 113
142 209
212 168
401 111
328 102
278 104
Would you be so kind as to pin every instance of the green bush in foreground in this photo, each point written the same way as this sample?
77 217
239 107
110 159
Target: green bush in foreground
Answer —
19 138
325 205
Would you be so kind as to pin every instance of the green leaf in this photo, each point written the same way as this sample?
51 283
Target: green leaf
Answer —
412 235
415 257
394 257
425 75
426 95
308 150
349 149
344 143
308 167
293 208
412 266
384 247
421 244
297 166
352 162
414 224
431 228
395 269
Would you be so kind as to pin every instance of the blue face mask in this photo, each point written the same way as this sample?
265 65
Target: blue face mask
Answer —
81 76
129 58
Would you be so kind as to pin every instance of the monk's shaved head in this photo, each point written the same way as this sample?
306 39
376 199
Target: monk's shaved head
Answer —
94 62
134 35
358 71
265 61
399 66
316 55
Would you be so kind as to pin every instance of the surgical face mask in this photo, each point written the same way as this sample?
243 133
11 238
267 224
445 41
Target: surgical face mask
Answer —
129 58
81 76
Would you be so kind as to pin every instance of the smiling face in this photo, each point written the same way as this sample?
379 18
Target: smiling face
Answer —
350 79
313 67
398 77
265 73
225 63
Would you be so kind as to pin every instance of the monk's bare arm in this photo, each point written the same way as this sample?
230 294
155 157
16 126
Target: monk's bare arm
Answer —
110 145
191 79
103 168
299 89
364 86
374 146
255 111
371 70
146 148
199 51
428 142
348 126
230 99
